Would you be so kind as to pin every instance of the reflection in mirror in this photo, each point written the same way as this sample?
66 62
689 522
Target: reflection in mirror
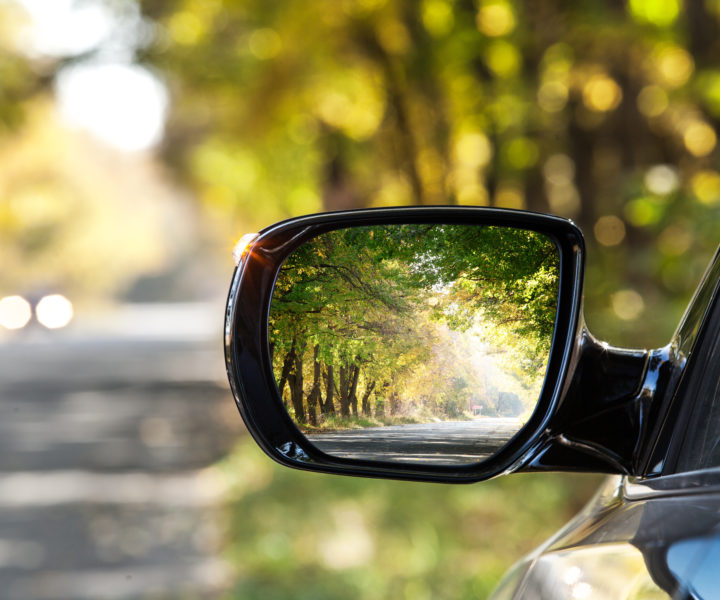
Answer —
415 343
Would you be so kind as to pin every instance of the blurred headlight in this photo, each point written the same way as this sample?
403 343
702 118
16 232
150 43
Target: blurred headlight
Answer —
15 312
54 311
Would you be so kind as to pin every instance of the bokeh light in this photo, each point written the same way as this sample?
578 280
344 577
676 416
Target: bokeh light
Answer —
706 187
601 93
559 173
510 195
627 304
265 43
54 311
661 13
699 138
645 211
609 230
495 19
503 58
186 28
437 16
674 65
123 105
64 27
708 84
15 312
675 240
473 150
661 179
652 101
552 96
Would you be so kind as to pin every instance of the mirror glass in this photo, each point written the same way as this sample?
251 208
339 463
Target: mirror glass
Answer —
414 343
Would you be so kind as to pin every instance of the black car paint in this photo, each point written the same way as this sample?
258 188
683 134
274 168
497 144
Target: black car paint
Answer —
634 540
620 411
660 529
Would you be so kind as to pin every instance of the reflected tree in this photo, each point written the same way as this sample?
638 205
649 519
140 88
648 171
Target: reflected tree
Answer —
361 316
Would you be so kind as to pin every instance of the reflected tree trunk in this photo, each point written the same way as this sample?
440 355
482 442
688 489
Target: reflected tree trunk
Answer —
366 411
394 403
329 406
381 400
314 398
344 389
352 394
296 389
287 366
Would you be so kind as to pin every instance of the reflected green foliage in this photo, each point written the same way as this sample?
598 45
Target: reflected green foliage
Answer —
414 322
310 536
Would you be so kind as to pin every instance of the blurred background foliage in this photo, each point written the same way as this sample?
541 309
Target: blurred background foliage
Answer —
606 113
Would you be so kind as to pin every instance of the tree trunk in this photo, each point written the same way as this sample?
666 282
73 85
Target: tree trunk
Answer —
352 395
287 365
337 189
296 389
381 400
394 403
329 406
314 397
344 389
366 399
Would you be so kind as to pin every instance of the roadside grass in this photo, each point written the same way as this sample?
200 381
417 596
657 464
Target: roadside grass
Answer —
336 422
297 535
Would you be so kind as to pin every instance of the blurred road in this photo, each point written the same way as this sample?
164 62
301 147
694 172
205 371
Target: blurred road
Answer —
104 442
442 443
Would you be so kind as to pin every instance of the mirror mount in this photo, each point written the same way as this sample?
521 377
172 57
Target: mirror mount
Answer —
610 411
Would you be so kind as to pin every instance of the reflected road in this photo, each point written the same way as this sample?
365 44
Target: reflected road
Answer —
442 443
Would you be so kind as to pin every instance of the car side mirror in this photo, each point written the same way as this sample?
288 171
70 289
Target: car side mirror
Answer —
420 343
414 343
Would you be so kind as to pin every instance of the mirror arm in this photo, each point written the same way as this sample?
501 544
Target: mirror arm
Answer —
610 410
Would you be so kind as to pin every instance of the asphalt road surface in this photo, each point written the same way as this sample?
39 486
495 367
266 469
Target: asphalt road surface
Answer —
442 443
104 485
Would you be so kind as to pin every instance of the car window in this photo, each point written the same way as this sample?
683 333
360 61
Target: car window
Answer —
700 391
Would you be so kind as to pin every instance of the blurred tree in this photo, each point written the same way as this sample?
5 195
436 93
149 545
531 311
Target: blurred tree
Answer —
607 114
20 79
75 215
603 113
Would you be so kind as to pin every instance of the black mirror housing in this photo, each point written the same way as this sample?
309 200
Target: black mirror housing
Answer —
249 363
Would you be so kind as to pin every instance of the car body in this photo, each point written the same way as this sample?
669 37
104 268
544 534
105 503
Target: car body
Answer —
657 535
650 418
